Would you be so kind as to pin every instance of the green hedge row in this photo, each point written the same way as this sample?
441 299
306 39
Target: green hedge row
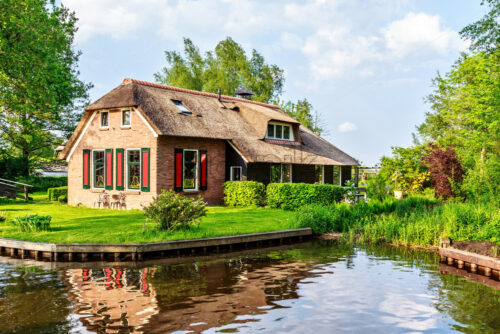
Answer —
290 196
42 183
244 193
54 193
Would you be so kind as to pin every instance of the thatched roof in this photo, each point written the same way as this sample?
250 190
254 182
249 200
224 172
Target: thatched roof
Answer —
242 121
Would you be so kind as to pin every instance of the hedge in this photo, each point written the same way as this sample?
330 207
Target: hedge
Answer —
290 196
244 193
54 193
42 183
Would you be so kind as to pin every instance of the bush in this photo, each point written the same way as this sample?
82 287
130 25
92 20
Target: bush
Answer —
32 223
63 198
3 216
171 211
244 193
42 183
54 193
291 196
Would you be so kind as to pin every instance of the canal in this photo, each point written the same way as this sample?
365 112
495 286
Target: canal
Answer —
313 287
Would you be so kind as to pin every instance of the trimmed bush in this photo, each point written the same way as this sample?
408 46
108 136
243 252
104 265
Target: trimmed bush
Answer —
54 193
244 193
3 216
63 198
171 211
42 183
32 223
291 196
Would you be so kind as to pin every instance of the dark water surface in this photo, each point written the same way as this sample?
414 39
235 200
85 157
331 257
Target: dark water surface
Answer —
316 287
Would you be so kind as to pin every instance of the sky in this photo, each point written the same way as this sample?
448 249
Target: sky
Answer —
365 65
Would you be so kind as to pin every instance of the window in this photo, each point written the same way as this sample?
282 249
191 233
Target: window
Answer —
281 173
336 175
183 109
104 119
235 173
98 168
134 169
319 174
125 118
190 170
279 131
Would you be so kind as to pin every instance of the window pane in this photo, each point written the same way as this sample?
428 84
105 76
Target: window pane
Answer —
235 174
270 130
275 173
134 176
286 170
104 119
98 169
99 157
318 179
278 134
286 132
126 117
190 162
134 156
181 107
336 175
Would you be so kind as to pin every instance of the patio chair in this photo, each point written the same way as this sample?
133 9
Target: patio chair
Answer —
123 203
115 201
103 199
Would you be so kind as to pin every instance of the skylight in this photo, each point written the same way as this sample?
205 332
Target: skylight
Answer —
183 109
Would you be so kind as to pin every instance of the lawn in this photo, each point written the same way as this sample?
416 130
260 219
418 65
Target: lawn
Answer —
86 225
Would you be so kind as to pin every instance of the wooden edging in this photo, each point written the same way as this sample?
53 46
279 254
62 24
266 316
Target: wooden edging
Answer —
486 265
138 251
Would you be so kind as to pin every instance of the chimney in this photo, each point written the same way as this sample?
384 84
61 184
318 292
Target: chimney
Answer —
245 93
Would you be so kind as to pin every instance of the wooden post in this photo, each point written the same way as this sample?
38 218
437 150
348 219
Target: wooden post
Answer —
139 256
70 257
102 256
450 261
26 197
22 253
54 255
487 271
12 252
460 264
473 267
37 254
133 256
117 256
84 257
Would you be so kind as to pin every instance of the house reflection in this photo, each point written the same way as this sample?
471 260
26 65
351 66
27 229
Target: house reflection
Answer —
188 297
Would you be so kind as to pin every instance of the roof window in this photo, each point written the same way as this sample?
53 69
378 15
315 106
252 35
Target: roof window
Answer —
183 109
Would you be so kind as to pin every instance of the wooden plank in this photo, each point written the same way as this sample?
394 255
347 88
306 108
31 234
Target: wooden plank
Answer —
480 260
24 184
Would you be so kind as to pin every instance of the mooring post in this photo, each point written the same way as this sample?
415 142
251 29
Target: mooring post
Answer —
70 257
22 253
54 256
450 261
37 254
117 256
84 257
473 267
487 271
460 264
133 254
12 252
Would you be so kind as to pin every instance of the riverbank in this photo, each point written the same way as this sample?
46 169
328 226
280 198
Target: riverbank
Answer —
86 225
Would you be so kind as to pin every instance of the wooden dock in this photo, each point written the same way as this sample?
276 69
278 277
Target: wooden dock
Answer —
56 252
475 263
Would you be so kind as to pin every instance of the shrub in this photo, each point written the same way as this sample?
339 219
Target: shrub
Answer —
244 193
317 217
32 223
63 198
171 211
294 195
54 193
445 170
3 216
42 183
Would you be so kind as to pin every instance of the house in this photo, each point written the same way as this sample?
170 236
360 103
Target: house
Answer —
143 137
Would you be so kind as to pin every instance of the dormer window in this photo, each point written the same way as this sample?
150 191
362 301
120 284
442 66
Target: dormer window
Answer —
279 131
181 107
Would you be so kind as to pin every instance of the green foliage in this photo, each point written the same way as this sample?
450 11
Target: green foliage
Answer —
42 183
39 85
244 193
485 33
320 218
53 194
377 188
3 216
303 111
403 170
32 223
63 198
171 211
227 67
290 196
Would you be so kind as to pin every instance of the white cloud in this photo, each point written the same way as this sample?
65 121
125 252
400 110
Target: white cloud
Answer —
347 127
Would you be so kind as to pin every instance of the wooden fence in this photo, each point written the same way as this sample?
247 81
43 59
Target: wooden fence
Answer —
11 189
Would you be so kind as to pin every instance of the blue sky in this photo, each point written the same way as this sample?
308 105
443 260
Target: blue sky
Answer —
365 65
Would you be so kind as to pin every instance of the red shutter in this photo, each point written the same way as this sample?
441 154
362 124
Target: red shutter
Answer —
119 169
86 169
145 169
109 169
178 153
203 170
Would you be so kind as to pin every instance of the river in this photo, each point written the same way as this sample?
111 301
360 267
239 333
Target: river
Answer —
313 287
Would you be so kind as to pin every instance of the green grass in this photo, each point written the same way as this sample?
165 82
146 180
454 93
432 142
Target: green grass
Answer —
85 225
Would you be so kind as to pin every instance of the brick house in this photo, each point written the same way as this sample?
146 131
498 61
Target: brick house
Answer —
143 137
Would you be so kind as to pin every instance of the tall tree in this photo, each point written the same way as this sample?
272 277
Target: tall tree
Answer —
303 111
39 85
227 67
484 34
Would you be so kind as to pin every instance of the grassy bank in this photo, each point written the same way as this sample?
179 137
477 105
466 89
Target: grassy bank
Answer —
413 221
85 225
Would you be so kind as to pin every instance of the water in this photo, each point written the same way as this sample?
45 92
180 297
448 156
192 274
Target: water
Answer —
316 287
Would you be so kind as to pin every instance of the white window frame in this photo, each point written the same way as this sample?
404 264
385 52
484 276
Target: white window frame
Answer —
283 125
231 172
93 169
281 172
340 173
130 118
100 119
322 173
186 111
140 169
195 174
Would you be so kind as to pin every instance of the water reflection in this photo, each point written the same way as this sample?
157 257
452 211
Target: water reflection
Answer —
318 287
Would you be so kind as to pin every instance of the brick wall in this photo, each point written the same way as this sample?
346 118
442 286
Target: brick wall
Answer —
216 169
